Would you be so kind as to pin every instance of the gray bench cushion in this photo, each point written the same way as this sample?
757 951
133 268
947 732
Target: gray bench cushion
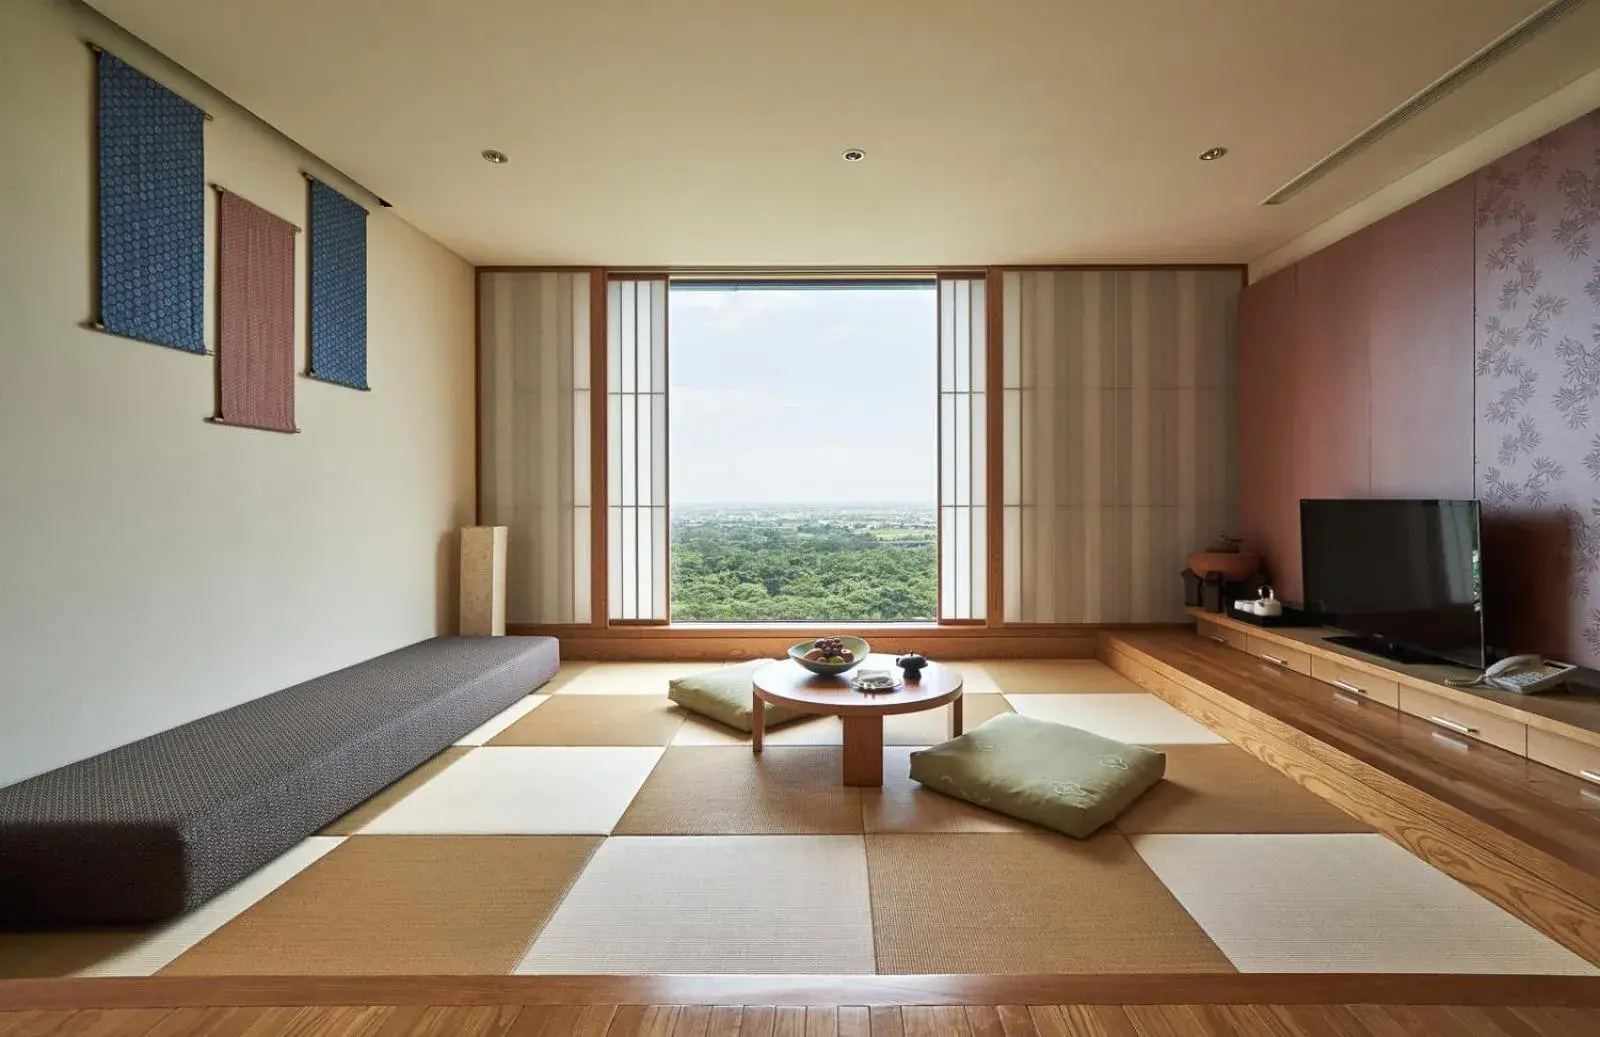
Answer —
155 828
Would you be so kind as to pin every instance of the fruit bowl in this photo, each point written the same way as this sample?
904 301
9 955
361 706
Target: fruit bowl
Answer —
856 646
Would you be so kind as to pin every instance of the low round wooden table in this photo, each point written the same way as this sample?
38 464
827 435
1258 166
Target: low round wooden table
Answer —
792 686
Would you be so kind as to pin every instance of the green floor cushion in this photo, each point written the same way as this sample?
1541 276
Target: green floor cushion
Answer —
1053 775
725 694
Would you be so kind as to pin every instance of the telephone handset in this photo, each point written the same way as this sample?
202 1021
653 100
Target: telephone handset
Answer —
1526 674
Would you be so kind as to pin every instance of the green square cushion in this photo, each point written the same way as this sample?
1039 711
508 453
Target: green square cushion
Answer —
1053 775
724 695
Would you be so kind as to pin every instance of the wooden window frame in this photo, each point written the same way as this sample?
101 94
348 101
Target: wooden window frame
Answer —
603 637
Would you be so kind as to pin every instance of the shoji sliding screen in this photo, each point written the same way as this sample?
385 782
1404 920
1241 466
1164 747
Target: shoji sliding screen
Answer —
636 451
1118 418
534 419
963 511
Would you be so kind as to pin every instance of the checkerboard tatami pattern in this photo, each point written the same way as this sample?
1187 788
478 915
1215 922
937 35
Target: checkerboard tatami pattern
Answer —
595 828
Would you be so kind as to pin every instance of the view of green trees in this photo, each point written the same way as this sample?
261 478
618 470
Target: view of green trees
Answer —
789 563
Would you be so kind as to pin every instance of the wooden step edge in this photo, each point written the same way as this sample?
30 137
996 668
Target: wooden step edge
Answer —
1100 989
1552 896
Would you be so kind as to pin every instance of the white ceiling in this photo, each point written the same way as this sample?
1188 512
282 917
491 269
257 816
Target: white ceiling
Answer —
709 132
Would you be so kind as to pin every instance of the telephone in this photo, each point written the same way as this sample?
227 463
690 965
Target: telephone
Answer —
1526 674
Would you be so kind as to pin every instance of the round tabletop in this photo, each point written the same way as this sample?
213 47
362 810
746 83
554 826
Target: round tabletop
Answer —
792 686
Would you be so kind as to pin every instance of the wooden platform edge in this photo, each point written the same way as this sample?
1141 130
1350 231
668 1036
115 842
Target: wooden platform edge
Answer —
1545 892
1152 989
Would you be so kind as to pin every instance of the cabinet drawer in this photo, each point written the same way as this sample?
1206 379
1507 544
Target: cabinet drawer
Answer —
1218 632
1357 682
1273 652
1448 715
1564 754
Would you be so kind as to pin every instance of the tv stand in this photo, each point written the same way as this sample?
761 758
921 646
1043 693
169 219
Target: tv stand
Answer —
1381 648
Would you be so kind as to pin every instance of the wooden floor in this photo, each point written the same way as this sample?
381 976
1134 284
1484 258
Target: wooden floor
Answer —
813 1021
1180 1005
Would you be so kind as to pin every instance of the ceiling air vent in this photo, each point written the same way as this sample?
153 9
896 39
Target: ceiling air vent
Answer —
1507 42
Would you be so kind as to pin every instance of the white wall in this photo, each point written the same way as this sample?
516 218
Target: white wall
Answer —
153 567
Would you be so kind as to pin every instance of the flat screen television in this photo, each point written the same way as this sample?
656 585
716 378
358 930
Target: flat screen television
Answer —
1400 575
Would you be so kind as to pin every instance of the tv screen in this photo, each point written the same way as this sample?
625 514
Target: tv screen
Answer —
1403 573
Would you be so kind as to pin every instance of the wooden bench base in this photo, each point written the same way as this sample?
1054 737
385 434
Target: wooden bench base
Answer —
1500 824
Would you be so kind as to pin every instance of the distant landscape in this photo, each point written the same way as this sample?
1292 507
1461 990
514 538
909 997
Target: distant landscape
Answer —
795 563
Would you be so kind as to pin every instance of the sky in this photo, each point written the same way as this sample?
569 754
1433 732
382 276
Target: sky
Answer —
803 396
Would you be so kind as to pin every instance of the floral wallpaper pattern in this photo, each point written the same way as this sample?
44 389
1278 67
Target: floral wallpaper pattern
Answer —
1538 352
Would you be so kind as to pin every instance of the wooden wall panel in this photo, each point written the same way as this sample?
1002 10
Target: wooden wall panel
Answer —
1420 291
1332 448
1269 517
1355 375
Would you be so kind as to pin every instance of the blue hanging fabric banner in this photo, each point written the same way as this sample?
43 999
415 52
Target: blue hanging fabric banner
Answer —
338 288
152 210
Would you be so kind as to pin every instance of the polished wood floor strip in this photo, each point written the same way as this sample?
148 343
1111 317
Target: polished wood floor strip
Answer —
184 992
612 1020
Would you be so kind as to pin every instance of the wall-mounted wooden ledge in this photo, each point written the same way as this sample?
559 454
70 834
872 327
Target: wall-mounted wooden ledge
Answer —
1186 989
1524 835
714 641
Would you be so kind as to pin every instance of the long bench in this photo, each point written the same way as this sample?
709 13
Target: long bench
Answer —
153 829
1524 835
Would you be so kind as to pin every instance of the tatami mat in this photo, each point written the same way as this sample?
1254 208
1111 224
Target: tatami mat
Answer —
1142 719
597 720
568 673
1027 903
1040 676
415 905
975 679
903 805
628 678
821 730
481 735
363 815
495 790
932 726
714 904
928 727
1223 789
143 952
1342 903
728 790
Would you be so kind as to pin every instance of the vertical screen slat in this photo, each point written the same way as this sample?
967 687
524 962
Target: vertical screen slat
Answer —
637 450
963 486
535 419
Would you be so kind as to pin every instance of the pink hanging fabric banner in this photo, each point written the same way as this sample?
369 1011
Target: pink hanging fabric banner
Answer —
255 316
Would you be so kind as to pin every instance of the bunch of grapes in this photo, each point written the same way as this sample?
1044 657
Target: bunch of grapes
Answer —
830 645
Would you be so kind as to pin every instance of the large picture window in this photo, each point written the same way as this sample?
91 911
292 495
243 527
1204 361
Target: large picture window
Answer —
804 451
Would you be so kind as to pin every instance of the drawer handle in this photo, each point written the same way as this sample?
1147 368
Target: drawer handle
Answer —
1457 727
1218 638
1590 776
1274 659
1347 686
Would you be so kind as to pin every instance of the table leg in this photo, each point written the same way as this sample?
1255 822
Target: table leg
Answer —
758 722
955 718
863 751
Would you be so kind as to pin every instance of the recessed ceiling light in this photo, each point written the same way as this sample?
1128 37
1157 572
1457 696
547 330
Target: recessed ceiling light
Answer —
1212 154
494 157
854 154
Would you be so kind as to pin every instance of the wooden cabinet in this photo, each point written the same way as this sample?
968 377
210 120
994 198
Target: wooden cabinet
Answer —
1564 754
1458 718
1279 654
1210 628
1356 682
